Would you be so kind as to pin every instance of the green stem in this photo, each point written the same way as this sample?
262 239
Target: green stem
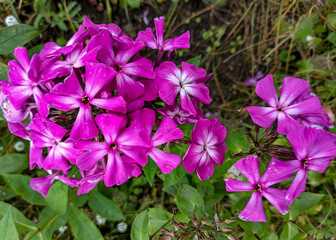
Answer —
46 224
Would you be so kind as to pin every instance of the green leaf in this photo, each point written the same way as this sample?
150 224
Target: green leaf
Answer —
174 177
150 170
17 35
3 71
82 227
304 202
332 18
37 49
157 218
189 199
304 29
237 141
6 193
139 230
13 163
134 3
51 221
57 198
7 227
20 185
104 207
195 60
21 222
288 232
332 37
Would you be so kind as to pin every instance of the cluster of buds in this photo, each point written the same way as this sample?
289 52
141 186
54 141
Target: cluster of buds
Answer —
301 118
100 108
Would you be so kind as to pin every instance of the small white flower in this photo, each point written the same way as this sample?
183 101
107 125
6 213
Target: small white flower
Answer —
309 38
122 227
19 146
62 229
11 21
100 220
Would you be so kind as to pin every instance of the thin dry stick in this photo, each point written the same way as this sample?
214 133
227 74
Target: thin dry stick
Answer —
217 81
240 20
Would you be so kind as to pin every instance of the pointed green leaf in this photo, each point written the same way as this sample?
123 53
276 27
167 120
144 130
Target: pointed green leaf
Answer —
7 227
13 163
20 185
3 71
104 207
57 197
157 218
288 232
21 222
150 170
82 226
189 199
17 35
139 230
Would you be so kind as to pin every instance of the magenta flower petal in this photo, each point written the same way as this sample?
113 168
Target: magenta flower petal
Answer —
64 103
89 182
141 68
97 77
35 156
205 168
128 88
147 117
199 91
320 164
148 38
249 167
179 42
134 135
298 185
186 102
114 104
263 116
21 55
167 162
42 184
84 126
254 210
110 126
116 171
55 160
159 28
277 197
278 171
87 160
287 124
41 103
266 91
233 185
71 87
292 87
302 141
167 132
217 153
193 156
310 106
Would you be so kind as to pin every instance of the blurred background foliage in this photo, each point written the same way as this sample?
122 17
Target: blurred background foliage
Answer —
232 39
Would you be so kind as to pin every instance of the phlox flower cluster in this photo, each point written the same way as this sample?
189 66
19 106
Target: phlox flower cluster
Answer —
97 107
301 117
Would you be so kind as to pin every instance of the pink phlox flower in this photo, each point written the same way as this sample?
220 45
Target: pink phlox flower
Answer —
150 94
188 82
91 179
167 132
9 112
77 58
133 142
314 150
120 39
179 115
253 80
46 134
148 38
254 210
43 184
128 67
70 95
285 109
207 147
25 81
313 119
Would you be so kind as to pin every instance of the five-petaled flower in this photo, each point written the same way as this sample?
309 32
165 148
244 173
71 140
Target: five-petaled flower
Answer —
254 210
